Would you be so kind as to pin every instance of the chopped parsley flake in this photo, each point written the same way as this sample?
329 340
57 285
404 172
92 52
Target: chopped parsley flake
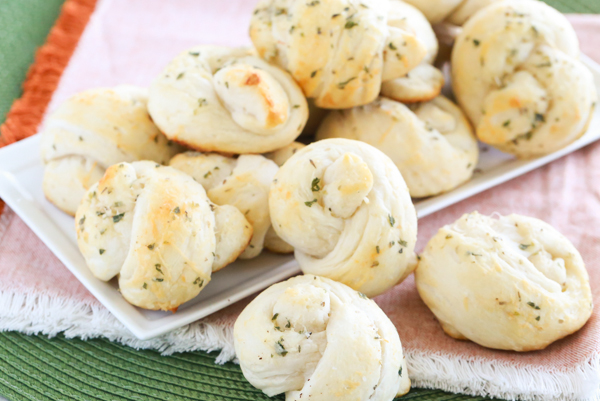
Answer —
524 246
310 203
534 306
315 185
181 74
102 251
402 242
350 24
177 210
118 217
275 316
280 349
392 220
476 42
342 85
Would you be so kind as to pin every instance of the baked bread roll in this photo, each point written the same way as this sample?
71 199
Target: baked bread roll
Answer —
272 241
243 182
453 11
295 336
431 143
517 76
219 99
466 9
154 227
346 210
339 51
282 155
423 82
92 130
511 283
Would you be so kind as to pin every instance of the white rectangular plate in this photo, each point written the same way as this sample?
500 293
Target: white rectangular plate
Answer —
21 174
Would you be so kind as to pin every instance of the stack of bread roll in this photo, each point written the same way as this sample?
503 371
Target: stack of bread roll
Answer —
170 183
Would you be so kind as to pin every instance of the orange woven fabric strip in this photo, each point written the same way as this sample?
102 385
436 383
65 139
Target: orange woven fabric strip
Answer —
44 74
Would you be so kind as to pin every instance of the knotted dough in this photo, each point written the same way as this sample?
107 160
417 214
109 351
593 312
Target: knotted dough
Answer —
315 339
243 182
154 227
424 82
432 143
344 207
91 131
511 283
219 99
339 51
516 74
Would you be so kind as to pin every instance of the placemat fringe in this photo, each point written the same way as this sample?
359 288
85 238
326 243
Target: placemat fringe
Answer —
49 314
458 374
44 74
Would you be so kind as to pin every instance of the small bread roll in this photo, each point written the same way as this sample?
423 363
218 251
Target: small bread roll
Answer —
432 144
218 99
423 82
435 10
243 182
282 155
517 76
467 9
510 283
454 11
344 207
154 227
91 131
339 51
315 339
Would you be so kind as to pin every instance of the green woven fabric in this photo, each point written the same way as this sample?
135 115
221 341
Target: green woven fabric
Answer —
24 25
38 368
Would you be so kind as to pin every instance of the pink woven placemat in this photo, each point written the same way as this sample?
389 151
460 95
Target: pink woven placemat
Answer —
130 41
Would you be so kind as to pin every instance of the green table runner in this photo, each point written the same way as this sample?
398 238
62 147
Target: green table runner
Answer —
38 368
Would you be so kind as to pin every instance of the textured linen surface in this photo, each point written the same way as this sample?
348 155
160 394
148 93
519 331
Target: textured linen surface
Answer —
130 41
